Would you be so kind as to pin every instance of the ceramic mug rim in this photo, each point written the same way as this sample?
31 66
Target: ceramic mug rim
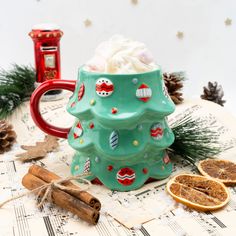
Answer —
83 70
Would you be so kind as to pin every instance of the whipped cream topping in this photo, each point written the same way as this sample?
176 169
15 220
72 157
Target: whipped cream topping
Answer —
120 55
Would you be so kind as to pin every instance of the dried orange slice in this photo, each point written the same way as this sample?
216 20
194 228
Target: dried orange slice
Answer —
199 192
222 170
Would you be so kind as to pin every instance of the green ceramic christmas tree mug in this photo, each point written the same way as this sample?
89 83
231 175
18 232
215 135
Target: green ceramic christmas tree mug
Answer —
121 132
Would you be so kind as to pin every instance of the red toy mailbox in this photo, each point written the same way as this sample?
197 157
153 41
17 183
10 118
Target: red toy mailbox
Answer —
47 52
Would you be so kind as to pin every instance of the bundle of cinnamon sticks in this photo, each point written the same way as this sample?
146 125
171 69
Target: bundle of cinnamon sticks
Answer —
80 203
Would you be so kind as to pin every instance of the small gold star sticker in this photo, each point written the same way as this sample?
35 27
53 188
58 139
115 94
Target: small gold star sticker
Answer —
228 22
180 34
87 23
135 2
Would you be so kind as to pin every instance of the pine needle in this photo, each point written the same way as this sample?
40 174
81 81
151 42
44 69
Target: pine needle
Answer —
16 85
194 140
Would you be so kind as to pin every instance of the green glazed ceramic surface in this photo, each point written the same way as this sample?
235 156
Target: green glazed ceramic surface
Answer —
120 134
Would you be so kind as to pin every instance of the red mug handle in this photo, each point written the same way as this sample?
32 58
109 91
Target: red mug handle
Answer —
34 106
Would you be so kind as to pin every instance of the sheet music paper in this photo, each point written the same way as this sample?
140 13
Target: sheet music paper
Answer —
147 211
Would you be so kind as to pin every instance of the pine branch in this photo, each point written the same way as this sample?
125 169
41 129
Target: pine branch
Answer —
16 85
194 140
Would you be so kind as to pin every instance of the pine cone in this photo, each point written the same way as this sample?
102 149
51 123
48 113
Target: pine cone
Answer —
174 83
7 136
213 93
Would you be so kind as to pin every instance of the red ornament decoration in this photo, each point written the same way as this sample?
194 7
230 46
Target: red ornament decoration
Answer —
144 93
72 104
104 87
81 92
166 159
87 166
114 110
145 170
78 131
110 168
125 176
156 131
91 125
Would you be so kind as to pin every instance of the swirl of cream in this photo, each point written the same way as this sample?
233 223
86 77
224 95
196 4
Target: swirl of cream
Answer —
120 55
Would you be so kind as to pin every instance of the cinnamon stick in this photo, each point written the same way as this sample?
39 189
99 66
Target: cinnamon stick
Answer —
49 176
64 200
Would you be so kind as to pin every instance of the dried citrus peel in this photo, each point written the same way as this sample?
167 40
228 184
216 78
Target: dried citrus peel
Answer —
198 192
222 170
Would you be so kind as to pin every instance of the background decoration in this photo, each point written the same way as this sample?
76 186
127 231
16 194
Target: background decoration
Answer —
87 22
49 186
180 35
199 192
194 140
16 86
46 39
214 93
7 136
39 150
228 22
221 170
135 2
174 84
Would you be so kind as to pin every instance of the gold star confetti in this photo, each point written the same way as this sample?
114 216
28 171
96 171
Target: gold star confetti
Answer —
87 23
135 2
81 141
180 35
228 22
